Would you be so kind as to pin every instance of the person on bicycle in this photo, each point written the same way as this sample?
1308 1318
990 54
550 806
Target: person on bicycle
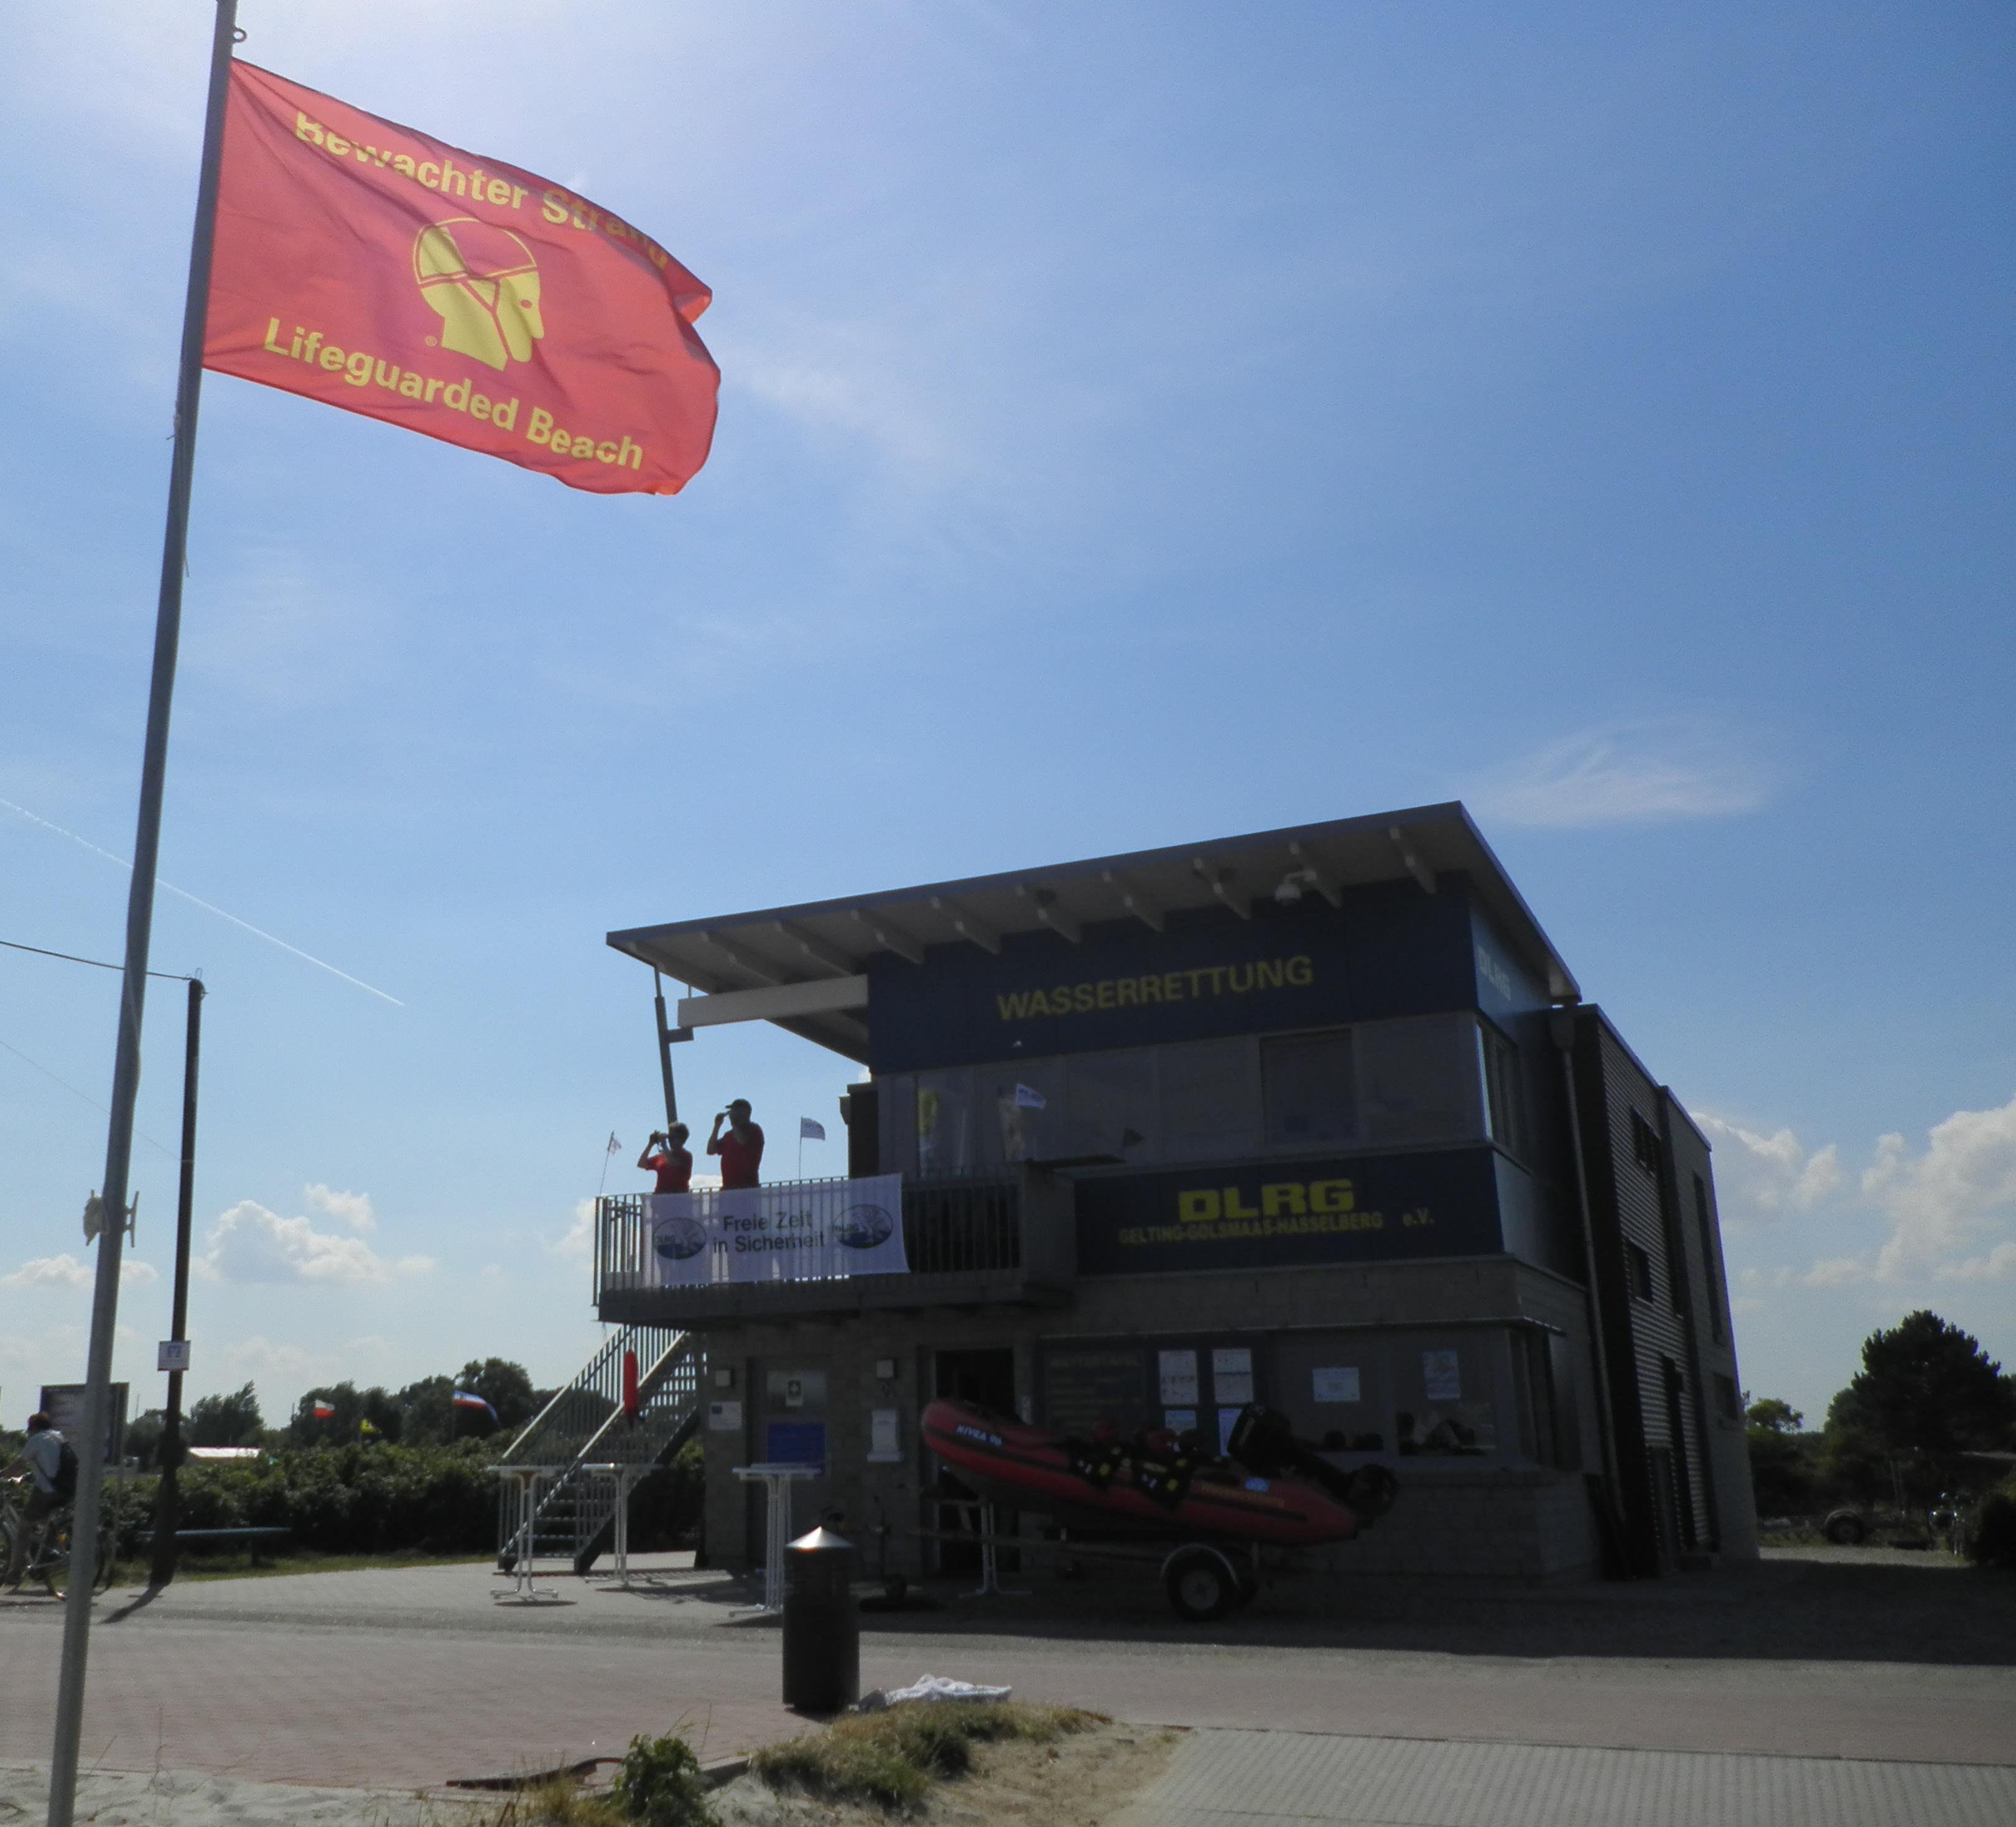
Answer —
42 1456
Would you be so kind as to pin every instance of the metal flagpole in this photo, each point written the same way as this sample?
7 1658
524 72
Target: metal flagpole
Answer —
139 925
168 1493
664 1049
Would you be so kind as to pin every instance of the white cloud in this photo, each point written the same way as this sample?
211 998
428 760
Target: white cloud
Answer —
576 1242
350 1209
1625 774
249 1243
259 1356
1998 1264
1763 1176
66 1271
1948 1210
1942 1203
1836 1272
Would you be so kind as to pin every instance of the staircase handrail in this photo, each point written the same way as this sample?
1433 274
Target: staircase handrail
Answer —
599 1379
649 1383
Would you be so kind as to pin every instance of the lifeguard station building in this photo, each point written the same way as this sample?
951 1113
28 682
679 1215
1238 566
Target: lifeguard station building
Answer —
1316 1117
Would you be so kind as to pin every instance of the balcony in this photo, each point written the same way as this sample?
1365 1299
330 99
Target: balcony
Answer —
1007 1240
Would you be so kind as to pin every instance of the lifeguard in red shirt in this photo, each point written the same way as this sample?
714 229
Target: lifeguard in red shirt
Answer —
740 1150
667 1155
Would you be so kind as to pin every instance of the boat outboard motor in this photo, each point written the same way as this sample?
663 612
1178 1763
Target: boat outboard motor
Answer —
1262 1441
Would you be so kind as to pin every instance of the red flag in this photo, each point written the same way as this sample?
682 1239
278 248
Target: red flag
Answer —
372 267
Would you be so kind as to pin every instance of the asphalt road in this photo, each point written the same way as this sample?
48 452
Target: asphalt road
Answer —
407 1678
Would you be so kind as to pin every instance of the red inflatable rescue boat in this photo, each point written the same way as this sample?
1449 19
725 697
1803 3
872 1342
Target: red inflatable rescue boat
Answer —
1152 1485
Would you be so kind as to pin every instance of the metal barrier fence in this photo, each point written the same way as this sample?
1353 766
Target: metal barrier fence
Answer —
949 1227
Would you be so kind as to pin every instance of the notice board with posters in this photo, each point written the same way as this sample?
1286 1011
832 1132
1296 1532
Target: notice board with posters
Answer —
1286 1213
1086 1385
64 1404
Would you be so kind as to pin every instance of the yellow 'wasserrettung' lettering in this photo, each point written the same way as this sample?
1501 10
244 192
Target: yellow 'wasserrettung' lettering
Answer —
1157 986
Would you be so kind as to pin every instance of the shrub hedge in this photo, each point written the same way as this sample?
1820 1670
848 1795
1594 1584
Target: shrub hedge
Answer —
380 1498
354 1499
1992 1539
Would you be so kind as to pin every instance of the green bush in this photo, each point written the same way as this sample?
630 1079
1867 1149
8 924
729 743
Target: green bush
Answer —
665 1507
660 1785
378 1498
1991 1540
354 1499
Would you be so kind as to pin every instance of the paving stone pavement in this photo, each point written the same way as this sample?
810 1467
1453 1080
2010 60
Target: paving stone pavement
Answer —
1275 1779
405 1677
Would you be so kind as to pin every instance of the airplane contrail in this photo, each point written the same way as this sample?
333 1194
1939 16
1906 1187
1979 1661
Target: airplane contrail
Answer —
208 907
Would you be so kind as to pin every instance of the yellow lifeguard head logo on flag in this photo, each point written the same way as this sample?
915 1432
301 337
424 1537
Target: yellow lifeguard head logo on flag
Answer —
367 265
484 284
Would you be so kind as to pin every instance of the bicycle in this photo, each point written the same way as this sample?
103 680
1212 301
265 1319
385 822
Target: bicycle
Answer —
1947 1519
50 1562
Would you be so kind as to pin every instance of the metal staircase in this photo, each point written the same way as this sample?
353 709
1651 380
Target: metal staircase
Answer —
574 1507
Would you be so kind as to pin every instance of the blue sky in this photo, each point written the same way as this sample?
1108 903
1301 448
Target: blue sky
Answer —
1138 425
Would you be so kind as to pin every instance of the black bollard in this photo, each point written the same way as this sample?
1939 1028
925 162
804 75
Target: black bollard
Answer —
822 1624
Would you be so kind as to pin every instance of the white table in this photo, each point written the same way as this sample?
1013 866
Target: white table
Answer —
523 1591
777 1481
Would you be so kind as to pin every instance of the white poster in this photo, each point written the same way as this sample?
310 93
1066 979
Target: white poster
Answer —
1337 1383
724 1417
1179 1379
1232 1375
834 1229
884 1437
1443 1375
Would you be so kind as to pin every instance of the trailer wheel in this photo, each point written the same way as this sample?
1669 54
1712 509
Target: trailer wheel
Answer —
1200 1583
1844 1528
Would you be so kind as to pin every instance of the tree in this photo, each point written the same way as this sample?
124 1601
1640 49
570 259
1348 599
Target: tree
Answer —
226 1420
505 1386
1781 1472
1926 1387
353 1407
143 1436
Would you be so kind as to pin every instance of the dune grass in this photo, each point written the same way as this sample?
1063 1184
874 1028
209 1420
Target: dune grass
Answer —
893 1758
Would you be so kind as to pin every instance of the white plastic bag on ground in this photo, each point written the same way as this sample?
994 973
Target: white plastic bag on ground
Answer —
941 1688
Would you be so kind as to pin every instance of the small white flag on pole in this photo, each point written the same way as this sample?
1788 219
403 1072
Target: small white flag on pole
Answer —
615 1147
809 1130
1026 1099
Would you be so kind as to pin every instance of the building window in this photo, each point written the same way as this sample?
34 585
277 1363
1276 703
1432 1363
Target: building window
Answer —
1504 1090
1728 1403
1533 1383
1645 1145
1710 1269
1638 1268
1310 1090
1210 1099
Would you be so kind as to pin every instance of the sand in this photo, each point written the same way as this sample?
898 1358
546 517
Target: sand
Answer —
170 1798
1078 1782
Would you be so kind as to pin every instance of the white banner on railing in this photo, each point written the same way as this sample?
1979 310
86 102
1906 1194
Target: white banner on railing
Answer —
803 1233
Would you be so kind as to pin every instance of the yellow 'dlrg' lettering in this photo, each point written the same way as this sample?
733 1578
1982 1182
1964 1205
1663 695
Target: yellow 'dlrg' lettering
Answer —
1278 1199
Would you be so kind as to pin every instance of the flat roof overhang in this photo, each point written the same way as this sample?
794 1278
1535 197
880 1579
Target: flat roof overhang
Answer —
805 968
